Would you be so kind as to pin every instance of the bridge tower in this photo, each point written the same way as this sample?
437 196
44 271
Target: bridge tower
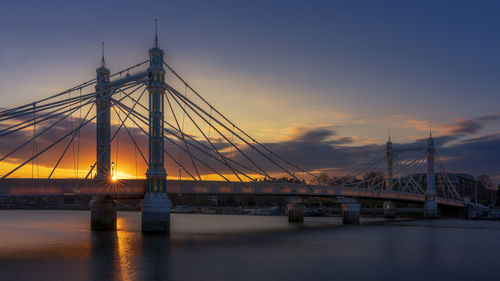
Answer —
103 209
156 206
388 167
103 123
430 205
389 206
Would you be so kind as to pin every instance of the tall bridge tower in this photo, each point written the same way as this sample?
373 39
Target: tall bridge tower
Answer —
103 208
156 206
103 123
389 206
430 205
389 165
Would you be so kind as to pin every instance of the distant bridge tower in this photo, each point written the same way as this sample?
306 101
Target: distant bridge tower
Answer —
430 205
388 167
103 208
389 206
103 123
156 205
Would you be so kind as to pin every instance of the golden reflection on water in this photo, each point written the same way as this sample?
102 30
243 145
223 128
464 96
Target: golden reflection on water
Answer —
127 247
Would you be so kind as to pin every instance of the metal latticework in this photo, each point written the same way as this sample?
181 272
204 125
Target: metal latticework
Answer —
412 170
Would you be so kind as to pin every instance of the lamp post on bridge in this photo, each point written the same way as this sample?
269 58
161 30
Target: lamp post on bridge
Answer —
155 206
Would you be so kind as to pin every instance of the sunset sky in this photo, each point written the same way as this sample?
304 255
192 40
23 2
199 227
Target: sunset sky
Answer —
321 82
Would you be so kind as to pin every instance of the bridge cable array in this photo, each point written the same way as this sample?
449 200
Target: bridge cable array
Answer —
214 146
51 114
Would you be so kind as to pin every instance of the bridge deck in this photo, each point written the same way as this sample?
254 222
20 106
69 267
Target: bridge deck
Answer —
128 188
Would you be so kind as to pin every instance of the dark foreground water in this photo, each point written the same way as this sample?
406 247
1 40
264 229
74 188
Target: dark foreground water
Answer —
57 245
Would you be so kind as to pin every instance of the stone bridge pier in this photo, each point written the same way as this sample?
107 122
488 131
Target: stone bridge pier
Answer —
295 210
102 213
350 210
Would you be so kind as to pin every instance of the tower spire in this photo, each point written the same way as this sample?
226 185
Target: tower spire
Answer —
430 130
156 33
103 63
389 136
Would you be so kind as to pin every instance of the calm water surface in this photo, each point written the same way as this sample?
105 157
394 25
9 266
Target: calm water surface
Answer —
57 245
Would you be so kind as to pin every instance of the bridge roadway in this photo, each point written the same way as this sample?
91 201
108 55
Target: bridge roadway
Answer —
132 188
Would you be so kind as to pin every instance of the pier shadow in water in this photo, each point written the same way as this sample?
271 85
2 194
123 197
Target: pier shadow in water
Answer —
104 256
125 255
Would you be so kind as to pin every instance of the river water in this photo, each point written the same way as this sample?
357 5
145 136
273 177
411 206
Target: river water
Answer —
57 245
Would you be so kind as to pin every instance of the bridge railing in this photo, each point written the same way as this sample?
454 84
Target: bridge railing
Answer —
132 188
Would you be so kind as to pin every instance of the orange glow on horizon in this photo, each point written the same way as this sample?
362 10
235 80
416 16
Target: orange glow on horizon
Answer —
126 172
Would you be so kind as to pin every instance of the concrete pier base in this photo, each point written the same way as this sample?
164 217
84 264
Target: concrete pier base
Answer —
295 210
390 210
102 213
430 209
350 210
155 209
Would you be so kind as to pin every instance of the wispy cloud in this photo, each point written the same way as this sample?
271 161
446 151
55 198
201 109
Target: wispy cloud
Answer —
458 129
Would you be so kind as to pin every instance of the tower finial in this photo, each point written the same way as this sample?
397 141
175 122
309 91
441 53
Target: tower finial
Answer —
103 63
430 130
389 138
156 33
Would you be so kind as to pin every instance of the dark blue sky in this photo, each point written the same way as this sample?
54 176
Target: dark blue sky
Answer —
355 67
424 55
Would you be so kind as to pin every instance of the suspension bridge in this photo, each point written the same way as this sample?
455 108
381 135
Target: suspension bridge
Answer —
166 125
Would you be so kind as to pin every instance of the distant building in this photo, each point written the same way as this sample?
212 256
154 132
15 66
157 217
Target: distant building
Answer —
465 185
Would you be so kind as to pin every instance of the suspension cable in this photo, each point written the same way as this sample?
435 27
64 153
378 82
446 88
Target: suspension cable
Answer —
182 129
136 146
183 138
135 152
201 131
117 130
189 103
78 141
145 122
71 118
70 142
34 140
48 128
49 146
206 157
86 97
118 140
45 149
123 109
258 143
77 87
196 141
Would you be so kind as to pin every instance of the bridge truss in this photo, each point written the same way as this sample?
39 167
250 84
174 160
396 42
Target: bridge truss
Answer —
402 170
